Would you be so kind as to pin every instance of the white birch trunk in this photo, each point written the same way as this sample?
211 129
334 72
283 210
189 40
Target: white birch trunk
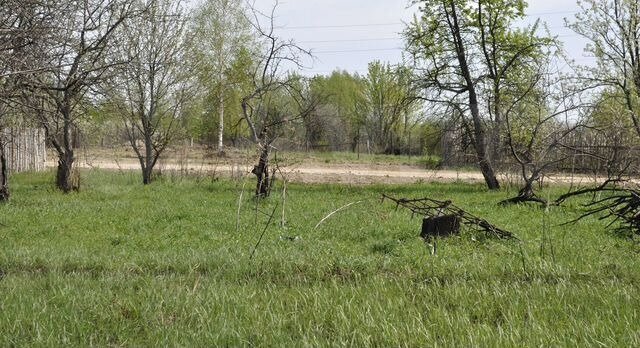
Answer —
221 126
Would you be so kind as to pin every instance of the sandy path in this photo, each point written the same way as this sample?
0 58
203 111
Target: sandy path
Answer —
318 173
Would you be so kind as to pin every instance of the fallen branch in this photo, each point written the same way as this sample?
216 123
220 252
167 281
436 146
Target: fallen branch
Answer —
608 185
623 206
263 232
335 211
431 208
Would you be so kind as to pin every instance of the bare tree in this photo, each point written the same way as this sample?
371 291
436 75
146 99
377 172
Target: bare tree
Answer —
75 65
613 29
276 98
537 122
150 91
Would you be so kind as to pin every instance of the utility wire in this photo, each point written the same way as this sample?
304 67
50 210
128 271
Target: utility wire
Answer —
360 50
353 40
341 26
365 25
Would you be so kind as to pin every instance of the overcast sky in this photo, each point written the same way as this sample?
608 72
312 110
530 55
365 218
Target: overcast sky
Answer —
348 34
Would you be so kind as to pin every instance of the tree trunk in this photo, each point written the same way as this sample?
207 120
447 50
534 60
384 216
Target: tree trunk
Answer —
64 176
480 143
65 180
261 171
147 161
4 176
354 143
526 194
221 126
146 175
496 127
480 136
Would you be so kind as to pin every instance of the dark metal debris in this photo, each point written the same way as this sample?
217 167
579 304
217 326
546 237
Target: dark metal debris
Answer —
431 208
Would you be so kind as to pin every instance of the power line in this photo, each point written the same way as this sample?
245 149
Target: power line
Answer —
364 25
395 39
352 40
550 13
360 50
341 26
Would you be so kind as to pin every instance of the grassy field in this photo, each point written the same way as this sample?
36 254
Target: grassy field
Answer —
119 264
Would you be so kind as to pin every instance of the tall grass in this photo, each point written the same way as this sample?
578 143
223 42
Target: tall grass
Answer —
126 265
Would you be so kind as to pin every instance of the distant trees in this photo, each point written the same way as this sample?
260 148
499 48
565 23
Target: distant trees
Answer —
340 116
610 143
610 116
381 107
391 104
151 84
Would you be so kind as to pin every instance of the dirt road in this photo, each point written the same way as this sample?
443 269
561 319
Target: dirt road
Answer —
329 173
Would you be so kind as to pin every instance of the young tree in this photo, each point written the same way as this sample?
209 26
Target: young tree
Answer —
538 121
466 51
224 37
75 65
270 86
151 89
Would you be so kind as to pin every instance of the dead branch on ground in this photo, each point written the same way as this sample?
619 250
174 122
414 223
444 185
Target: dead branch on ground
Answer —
431 208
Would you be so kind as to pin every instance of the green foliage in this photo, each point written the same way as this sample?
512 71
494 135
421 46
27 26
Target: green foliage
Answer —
430 137
392 105
476 65
224 52
342 111
612 117
381 106
165 265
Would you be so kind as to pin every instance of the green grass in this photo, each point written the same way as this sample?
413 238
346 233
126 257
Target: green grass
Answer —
119 264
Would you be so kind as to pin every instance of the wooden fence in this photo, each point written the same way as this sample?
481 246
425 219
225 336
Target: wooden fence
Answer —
587 151
25 149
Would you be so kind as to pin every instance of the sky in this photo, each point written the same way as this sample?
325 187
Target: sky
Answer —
348 34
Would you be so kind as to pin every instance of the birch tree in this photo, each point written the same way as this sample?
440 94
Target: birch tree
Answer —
223 32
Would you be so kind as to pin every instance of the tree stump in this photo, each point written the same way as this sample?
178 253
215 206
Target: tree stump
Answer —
440 226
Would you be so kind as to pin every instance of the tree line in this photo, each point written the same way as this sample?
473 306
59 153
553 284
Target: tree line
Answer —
156 71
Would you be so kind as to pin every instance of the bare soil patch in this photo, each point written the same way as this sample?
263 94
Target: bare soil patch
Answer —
299 168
